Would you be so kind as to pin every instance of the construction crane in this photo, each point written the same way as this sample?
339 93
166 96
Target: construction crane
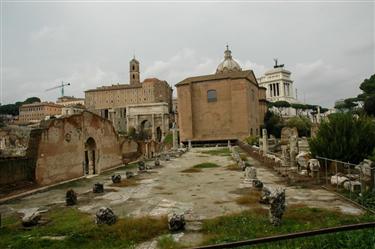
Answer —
63 84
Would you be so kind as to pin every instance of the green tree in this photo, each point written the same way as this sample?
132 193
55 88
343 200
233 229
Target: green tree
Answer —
31 100
369 105
344 137
302 124
368 85
280 105
273 123
13 109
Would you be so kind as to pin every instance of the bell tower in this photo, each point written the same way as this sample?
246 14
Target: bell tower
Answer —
134 72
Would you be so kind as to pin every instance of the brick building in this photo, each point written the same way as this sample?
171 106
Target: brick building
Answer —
227 105
111 102
35 112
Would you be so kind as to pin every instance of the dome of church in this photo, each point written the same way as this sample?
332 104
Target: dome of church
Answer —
228 64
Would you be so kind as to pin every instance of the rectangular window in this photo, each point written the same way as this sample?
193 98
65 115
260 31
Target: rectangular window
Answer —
211 96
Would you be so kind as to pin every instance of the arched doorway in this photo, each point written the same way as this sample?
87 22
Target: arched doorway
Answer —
90 155
145 129
158 134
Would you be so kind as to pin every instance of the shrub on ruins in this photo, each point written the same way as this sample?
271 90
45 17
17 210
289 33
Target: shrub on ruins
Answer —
273 123
252 140
345 137
168 139
302 124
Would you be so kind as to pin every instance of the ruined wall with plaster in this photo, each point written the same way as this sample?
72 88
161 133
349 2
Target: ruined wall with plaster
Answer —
61 152
16 169
21 168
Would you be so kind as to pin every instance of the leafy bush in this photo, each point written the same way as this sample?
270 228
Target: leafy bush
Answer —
372 156
344 137
302 124
168 139
273 123
252 140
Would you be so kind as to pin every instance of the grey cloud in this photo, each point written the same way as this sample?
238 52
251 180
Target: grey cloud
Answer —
324 45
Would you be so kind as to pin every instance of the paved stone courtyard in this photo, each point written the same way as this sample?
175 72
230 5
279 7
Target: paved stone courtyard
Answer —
201 195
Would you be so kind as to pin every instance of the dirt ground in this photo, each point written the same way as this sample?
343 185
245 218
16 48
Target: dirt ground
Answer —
160 191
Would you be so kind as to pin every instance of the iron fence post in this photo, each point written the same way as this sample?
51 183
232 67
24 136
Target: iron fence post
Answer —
326 167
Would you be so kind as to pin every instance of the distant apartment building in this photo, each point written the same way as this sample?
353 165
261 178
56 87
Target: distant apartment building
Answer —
72 109
112 102
35 112
70 101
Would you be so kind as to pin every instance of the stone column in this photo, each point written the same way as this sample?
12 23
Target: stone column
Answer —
293 147
265 141
153 126
137 122
284 156
146 152
175 139
127 123
282 86
189 145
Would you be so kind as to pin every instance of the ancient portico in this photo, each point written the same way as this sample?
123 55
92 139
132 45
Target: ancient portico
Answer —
152 118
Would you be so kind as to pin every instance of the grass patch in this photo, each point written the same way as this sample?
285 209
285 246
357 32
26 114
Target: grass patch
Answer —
253 224
205 165
191 170
167 242
243 157
198 167
250 198
131 182
217 152
233 167
80 231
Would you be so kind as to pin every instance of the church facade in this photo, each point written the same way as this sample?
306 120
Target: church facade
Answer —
227 105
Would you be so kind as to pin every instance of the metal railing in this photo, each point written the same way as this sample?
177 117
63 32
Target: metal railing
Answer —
289 236
354 188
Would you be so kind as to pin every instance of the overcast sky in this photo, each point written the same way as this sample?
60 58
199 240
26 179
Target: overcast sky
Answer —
328 47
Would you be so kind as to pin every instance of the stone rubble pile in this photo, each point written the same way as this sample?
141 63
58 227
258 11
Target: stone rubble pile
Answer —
129 174
105 216
71 197
237 158
116 178
98 188
31 218
176 222
141 166
277 208
157 162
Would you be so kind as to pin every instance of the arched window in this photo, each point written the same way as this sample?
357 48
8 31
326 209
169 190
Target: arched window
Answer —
211 96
